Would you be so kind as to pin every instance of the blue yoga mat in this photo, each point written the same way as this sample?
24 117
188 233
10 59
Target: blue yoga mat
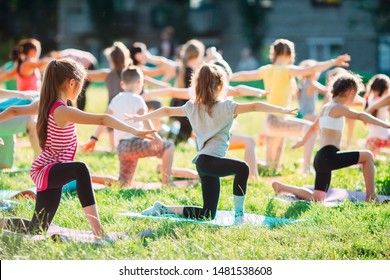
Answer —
223 218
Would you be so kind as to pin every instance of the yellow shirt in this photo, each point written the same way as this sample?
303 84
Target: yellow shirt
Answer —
279 83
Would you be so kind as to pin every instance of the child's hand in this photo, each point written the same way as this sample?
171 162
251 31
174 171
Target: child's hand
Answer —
290 111
1 142
145 134
89 147
134 118
342 60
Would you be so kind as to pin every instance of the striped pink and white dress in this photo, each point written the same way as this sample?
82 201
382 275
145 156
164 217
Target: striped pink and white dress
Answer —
60 147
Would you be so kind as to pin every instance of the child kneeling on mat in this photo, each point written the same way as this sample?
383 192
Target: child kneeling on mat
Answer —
211 118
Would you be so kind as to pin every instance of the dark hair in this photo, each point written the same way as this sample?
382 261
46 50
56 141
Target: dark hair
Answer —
225 66
282 47
14 56
346 82
131 75
24 47
135 48
192 49
379 83
57 73
119 55
207 80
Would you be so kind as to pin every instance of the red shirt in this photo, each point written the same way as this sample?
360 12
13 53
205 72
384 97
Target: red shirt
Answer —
60 146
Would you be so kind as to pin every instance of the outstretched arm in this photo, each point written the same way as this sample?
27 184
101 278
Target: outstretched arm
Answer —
172 92
64 115
28 94
363 116
244 76
384 101
341 60
16 111
99 75
263 107
309 133
243 90
156 83
10 74
159 113
320 87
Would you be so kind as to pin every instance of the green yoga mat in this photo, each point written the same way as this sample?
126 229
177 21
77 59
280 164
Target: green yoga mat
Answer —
223 218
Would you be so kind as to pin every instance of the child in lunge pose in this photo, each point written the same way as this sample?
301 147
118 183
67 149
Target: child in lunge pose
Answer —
56 129
331 123
211 118
279 80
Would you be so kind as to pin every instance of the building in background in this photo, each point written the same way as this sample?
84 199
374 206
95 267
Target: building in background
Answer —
320 29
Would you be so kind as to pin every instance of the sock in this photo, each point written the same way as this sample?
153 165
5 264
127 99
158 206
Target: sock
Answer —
238 205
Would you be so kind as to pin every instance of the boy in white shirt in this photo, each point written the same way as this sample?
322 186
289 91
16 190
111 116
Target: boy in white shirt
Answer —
129 147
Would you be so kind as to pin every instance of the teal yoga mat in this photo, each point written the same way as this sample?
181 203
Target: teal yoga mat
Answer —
223 218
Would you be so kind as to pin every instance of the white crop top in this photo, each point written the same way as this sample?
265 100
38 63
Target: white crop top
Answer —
331 123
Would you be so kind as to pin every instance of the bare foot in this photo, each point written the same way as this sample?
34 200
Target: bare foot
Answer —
373 198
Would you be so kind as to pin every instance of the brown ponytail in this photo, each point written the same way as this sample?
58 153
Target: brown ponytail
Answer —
57 73
208 80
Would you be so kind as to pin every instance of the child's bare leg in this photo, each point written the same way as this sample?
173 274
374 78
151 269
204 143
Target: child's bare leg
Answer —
111 138
308 151
350 130
167 160
93 218
300 192
104 180
367 160
275 146
249 154
179 172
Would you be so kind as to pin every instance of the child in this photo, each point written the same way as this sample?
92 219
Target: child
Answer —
308 90
129 147
55 167
331 122
22 124
118 56
211 120
28 64
236 140
378 137
279 81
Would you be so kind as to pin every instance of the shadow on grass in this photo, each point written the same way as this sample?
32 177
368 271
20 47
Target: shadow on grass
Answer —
295 210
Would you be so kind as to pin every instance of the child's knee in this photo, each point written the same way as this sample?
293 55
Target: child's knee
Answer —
366 156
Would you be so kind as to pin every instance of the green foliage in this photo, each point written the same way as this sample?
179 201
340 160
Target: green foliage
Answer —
347 232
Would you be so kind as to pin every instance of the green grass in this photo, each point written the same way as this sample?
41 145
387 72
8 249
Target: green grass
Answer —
351 231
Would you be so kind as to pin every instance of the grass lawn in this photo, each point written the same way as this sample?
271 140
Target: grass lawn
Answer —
350 231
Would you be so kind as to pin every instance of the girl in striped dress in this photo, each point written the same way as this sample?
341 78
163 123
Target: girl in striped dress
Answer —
55 166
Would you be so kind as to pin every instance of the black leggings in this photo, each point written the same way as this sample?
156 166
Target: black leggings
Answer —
330 158
210 169
47 201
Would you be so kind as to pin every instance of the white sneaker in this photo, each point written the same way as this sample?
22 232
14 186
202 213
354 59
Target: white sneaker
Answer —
239 220
156 210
